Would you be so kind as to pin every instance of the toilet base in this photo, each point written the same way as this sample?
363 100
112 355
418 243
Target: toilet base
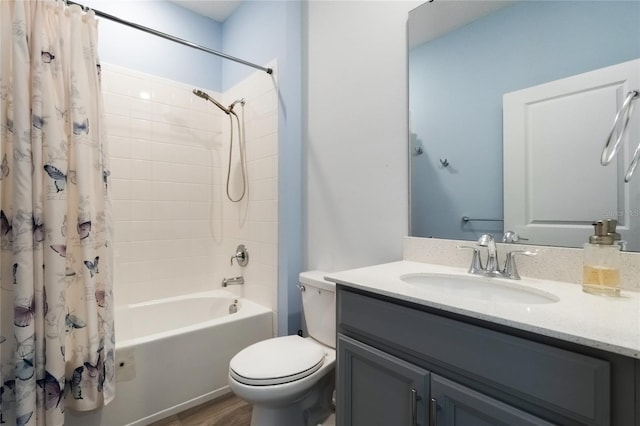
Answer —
310 410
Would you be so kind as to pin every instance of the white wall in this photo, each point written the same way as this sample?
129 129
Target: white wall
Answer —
253 221
162 141
175 228
356 133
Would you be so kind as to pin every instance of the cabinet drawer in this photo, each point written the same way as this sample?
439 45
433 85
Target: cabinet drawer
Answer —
571 384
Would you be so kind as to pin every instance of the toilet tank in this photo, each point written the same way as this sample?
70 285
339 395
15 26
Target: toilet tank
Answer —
319 307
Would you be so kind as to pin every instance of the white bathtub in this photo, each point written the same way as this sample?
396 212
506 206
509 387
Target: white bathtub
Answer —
173 354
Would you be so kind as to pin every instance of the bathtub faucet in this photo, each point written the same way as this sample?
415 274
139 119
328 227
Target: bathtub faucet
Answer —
232 281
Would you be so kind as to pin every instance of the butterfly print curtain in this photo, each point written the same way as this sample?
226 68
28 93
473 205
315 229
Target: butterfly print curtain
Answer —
56 310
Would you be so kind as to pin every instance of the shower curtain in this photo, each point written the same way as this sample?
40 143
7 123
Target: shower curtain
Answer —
56 311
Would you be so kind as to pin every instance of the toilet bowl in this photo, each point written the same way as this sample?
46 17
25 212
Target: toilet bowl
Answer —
290 380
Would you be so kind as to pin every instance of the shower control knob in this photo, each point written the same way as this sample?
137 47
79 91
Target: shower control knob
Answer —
241 256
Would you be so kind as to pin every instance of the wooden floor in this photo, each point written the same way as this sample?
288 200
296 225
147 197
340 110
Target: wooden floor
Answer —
226 411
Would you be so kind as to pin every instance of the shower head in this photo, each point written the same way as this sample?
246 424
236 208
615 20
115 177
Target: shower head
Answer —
206 97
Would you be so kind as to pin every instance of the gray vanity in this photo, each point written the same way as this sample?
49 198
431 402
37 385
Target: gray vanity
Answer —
410 357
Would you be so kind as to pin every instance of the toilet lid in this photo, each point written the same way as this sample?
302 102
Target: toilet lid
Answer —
275 361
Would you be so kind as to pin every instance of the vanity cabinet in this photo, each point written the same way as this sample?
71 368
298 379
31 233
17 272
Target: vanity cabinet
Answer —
379 389
382 389
402 364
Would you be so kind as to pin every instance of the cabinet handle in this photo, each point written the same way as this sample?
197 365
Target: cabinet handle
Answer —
433 415
414 408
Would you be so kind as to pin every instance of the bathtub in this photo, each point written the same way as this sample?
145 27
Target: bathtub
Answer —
173 354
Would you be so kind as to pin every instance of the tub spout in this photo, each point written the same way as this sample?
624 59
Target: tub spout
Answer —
232 281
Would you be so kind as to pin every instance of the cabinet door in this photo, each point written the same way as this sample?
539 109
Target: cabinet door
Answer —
454 404
375 388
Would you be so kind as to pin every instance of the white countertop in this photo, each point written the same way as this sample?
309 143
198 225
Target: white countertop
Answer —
607 323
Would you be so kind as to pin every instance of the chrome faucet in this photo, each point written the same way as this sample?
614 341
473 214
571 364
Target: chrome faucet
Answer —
510 270
489 242
492 269
476 267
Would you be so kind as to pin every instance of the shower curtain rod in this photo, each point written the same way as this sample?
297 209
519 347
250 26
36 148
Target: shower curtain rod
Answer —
170 37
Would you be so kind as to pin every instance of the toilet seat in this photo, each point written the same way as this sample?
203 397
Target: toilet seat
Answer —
276 361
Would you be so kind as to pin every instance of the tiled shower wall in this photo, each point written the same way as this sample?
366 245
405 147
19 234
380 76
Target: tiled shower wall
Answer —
175 228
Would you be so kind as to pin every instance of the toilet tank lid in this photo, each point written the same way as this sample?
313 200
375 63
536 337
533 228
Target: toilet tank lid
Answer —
316 279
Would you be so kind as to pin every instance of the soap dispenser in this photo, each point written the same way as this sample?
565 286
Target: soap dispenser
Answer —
601 269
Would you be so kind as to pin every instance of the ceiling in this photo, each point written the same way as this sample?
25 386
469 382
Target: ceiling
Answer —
218 10
435 18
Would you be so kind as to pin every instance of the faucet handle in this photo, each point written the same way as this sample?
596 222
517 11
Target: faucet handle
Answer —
512 237
510 269
485 240
241 256
476 262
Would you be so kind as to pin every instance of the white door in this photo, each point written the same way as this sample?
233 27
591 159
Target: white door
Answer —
554 185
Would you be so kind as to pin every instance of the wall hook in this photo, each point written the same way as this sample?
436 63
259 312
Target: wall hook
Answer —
445 162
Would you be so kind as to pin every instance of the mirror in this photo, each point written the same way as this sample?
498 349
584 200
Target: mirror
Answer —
464 56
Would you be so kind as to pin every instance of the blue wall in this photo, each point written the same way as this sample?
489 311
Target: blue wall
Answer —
457 82
255 33
135 49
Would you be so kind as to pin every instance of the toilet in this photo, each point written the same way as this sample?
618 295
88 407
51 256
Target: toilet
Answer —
290 380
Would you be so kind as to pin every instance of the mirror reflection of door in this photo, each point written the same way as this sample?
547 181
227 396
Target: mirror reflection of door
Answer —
554 134
457 80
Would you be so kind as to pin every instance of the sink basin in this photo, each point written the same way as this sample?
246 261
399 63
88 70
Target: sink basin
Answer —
479 288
